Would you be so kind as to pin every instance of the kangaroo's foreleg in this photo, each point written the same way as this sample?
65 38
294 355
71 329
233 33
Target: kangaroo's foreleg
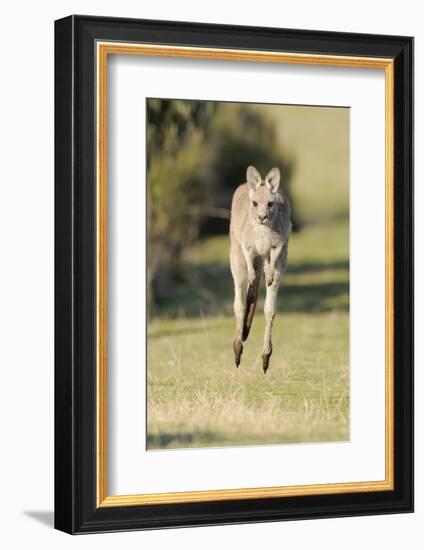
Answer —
238 270
270 309
248 256
271 262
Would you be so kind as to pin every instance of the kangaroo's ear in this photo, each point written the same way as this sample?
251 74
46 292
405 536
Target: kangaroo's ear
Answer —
253 177
272 180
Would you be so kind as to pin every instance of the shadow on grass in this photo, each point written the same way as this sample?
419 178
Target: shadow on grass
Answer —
315 298
207 289
198 440
316 267
180 440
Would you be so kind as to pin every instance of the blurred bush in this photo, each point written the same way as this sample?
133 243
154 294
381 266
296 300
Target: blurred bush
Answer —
197 154
240 135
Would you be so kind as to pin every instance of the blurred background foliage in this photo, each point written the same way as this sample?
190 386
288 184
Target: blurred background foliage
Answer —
197 154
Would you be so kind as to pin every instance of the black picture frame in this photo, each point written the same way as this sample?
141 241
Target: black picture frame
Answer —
76 508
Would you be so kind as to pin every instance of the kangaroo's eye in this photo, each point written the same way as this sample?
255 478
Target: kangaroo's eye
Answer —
255 203
270 204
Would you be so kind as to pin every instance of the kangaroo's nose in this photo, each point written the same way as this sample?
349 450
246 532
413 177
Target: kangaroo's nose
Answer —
262 218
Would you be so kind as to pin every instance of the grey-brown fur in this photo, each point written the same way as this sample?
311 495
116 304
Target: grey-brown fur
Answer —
259 232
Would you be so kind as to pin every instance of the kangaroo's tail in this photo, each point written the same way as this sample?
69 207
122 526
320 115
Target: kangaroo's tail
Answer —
251 299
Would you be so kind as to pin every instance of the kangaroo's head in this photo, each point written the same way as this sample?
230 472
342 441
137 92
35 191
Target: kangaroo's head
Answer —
262 194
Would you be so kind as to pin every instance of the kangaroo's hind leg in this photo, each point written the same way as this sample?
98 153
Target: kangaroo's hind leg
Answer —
252 297
270 310
278 267
239 272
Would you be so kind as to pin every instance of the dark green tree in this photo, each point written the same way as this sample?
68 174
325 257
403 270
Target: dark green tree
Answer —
175 166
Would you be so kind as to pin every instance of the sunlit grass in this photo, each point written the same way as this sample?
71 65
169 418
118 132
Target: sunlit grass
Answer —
197 397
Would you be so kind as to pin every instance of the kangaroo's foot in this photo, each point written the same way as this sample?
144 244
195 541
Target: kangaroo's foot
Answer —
265 360
238 350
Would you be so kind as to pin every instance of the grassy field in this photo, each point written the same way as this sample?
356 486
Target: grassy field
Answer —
196 396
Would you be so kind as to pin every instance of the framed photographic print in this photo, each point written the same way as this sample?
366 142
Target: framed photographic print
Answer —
234 274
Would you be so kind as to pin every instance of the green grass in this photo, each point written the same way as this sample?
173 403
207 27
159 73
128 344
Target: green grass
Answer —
196 396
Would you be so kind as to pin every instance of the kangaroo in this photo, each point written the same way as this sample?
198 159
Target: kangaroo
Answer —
260 228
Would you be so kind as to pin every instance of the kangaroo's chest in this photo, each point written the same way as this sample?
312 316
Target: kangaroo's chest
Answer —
264 239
